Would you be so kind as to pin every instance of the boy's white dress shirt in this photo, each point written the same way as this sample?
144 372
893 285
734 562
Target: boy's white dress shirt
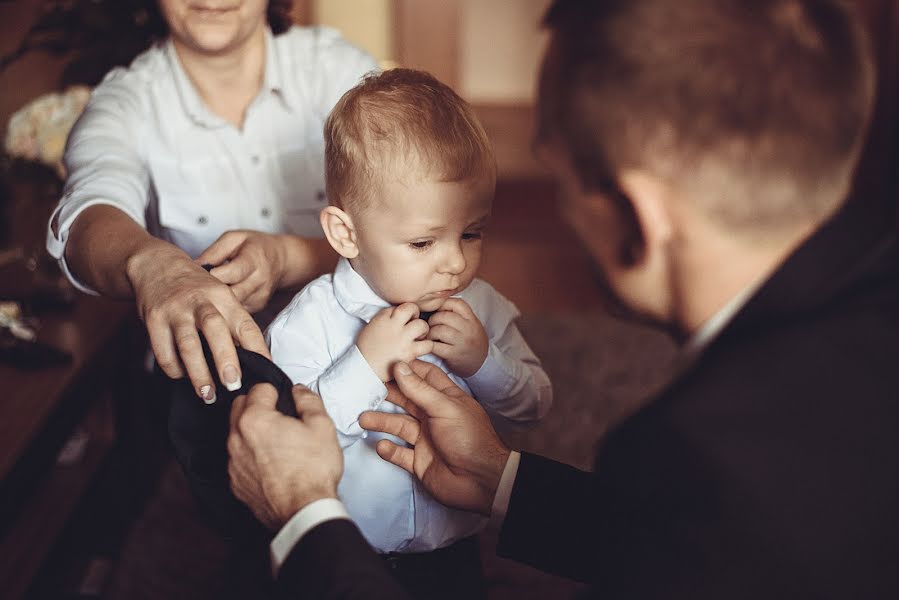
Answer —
147 145
314 341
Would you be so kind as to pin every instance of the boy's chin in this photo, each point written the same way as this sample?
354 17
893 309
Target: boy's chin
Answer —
430 305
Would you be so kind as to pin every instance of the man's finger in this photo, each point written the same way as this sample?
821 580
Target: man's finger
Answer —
237 409
401 457
437 378
418 391
395 396
263 395
402 426
309 404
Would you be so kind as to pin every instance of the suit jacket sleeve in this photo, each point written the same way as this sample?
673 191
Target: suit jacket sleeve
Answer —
333 561
551 520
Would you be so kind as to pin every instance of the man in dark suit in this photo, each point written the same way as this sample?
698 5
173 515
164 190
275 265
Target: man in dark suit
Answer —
706 149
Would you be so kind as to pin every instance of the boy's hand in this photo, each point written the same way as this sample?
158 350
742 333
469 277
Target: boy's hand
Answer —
459 338
395 334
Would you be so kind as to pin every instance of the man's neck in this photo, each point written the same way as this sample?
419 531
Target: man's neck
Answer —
227 82
722 269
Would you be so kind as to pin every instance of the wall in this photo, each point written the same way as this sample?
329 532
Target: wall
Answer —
32 75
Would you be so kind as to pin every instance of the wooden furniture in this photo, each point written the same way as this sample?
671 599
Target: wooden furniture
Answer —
44 410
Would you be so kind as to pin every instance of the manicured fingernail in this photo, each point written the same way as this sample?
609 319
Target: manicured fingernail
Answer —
232 379
207 393
403 369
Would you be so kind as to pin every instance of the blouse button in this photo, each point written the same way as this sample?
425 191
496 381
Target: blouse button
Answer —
255 159
266 212
202 220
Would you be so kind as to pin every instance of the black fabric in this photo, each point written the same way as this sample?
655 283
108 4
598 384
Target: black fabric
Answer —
770 469
451 573
199 435
333 560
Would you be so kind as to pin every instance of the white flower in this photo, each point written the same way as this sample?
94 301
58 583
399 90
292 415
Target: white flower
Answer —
38 131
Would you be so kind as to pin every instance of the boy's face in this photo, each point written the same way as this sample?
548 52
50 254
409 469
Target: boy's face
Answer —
421 240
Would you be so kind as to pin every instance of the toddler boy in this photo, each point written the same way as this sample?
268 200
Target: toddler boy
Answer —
410 181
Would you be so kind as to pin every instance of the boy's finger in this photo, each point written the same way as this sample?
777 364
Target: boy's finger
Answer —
406 312
447 318
458 306
423 347
401 457
443 333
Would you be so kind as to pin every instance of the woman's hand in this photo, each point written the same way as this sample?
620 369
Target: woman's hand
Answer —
252 263
176 298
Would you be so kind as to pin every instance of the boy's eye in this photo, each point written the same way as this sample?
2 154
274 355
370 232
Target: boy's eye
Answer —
471 235
422 244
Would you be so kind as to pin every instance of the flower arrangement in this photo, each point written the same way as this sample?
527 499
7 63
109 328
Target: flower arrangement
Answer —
38 131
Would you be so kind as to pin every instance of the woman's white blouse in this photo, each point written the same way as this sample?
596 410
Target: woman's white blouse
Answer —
147 145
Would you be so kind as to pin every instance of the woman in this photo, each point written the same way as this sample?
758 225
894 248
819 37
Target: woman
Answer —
206 150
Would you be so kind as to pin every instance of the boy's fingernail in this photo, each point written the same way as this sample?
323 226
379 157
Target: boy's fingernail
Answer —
232 378
403 369
207 394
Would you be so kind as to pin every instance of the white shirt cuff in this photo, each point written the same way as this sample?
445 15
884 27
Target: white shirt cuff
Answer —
504 489
311 515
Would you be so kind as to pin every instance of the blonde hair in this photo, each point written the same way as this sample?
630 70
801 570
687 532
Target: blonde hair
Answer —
396 122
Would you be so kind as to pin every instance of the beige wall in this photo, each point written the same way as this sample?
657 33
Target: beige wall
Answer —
500 45
367 23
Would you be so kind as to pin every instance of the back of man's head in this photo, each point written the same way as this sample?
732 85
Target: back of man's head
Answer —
754 109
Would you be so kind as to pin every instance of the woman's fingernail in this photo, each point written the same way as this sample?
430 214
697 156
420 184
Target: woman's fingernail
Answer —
232 378
403 369
207 393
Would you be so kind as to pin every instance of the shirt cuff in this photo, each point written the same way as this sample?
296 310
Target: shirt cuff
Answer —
504 489
349 388
310 516
495 377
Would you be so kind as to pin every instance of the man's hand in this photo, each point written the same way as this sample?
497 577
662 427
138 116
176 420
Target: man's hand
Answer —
278 464
395 334
455 452
176 298
255 266
459 338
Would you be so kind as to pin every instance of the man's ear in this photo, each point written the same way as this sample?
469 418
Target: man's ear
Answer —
651 201
339 229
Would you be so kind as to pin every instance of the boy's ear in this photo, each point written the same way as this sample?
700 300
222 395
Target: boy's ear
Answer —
338 228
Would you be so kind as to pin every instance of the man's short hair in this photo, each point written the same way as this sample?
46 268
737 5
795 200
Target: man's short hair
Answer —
755 109
396 124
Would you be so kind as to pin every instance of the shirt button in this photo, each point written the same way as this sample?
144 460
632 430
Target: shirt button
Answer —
266 212
321 195
202 220
255 159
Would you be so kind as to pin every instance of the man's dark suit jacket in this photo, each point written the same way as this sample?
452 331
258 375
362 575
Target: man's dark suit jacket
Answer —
769 469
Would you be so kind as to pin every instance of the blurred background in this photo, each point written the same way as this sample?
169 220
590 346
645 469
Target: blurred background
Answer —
91 504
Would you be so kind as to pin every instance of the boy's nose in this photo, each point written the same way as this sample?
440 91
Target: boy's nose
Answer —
453 261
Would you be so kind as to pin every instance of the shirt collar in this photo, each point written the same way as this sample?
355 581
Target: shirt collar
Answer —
716 324
272 83
354 294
